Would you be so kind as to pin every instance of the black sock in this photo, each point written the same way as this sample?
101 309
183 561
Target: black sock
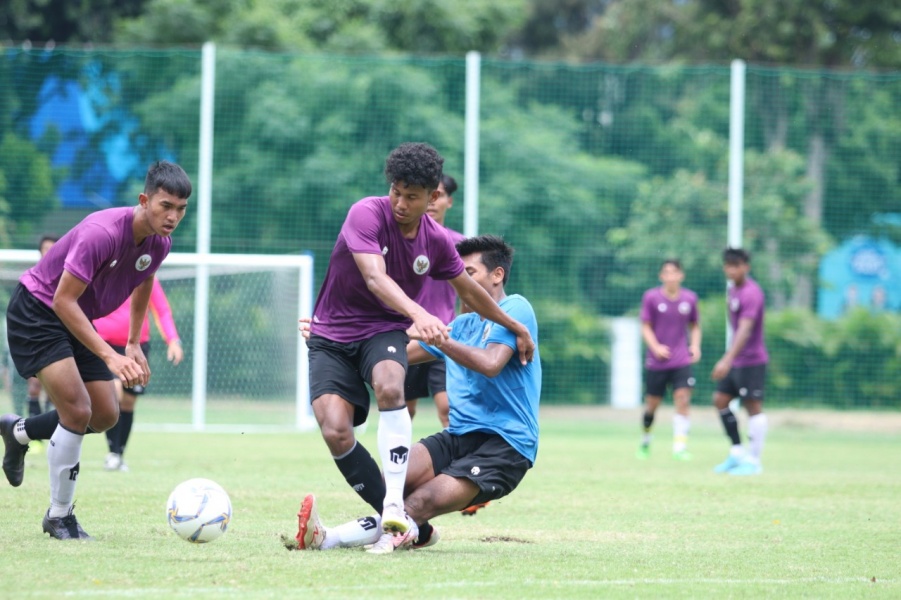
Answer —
112 437
425 533
648 420
41 427
362 474
126 419
34 407
731 425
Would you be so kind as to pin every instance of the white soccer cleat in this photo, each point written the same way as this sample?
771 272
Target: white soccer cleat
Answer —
310 532
388 543
394 519
113 462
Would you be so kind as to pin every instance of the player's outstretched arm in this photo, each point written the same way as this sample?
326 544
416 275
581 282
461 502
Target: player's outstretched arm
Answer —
476 298
489 361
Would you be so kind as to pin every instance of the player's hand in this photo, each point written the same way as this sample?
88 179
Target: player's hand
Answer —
695 352
430 329
721 369
174 353
662 352
526 346
128 370
304 327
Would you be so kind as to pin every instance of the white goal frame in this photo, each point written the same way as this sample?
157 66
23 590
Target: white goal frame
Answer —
225 263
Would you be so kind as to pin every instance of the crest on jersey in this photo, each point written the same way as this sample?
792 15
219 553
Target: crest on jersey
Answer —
486 331
684 308
661 307
385 251
143 262
421 264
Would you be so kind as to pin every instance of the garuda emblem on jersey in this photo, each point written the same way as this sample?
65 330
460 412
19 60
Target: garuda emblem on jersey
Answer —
421 264
143 262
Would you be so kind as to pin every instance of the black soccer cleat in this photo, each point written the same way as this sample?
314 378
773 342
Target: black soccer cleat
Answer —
14 453
65 528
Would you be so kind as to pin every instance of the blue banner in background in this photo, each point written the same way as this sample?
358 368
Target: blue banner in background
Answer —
862 272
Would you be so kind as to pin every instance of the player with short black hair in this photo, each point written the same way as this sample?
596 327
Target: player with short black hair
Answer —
671 331
384 253
741 372
492 440
111 255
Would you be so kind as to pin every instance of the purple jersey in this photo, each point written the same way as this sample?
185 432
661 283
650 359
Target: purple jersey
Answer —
747 302
437 296
101 252
346 311
669 320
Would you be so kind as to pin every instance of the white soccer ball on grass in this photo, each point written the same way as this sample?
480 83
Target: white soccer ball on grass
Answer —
199 510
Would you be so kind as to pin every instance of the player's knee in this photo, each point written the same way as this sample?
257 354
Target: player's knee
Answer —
339 439
390 394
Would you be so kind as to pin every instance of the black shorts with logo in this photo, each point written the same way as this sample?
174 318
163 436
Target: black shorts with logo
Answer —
744 382
139 389
38 338
345 368
425 379
656 382
486 459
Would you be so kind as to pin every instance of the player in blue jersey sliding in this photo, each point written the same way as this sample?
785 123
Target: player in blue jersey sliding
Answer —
492 439
111 255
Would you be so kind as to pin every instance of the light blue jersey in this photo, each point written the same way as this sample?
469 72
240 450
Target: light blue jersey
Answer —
506 404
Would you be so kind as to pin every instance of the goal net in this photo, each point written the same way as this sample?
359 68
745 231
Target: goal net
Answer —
245 365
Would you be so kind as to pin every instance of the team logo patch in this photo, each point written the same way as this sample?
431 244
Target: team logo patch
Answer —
421 264
385 251
399 455
143 262
392 349
475 471
684 308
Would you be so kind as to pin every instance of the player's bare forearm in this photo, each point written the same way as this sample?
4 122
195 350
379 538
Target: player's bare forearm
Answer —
488 361
140 300
742 335
417 354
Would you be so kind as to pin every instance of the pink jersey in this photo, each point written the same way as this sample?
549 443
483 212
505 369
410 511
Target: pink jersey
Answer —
101 252
346 311
437 296
113 328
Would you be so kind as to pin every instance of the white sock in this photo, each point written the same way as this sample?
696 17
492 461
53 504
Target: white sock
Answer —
365 530
19 432
395 438
63 457
737 451
757 427
681 425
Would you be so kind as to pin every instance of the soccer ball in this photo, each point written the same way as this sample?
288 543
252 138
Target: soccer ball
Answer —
199 510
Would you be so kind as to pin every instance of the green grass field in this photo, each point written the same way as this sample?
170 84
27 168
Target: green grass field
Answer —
589 521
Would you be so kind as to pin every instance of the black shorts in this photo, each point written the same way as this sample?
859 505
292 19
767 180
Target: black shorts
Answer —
744 382
425 379
486 459
344 368
38 338
656 382
137 390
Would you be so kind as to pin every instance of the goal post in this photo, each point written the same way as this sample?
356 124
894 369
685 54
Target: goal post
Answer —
245 365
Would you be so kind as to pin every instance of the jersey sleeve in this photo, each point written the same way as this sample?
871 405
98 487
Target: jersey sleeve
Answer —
449 263
693 316
645 315
520 310
751 306
361 229
91 247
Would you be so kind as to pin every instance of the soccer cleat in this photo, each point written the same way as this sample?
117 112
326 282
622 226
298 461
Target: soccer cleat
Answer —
388 543
65 528
433 539
470 511
14 453
746 467
727 465
683 455
643 453
310 532
123 467
394 519
113 462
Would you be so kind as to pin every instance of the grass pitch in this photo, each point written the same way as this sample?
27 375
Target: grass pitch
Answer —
589 521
